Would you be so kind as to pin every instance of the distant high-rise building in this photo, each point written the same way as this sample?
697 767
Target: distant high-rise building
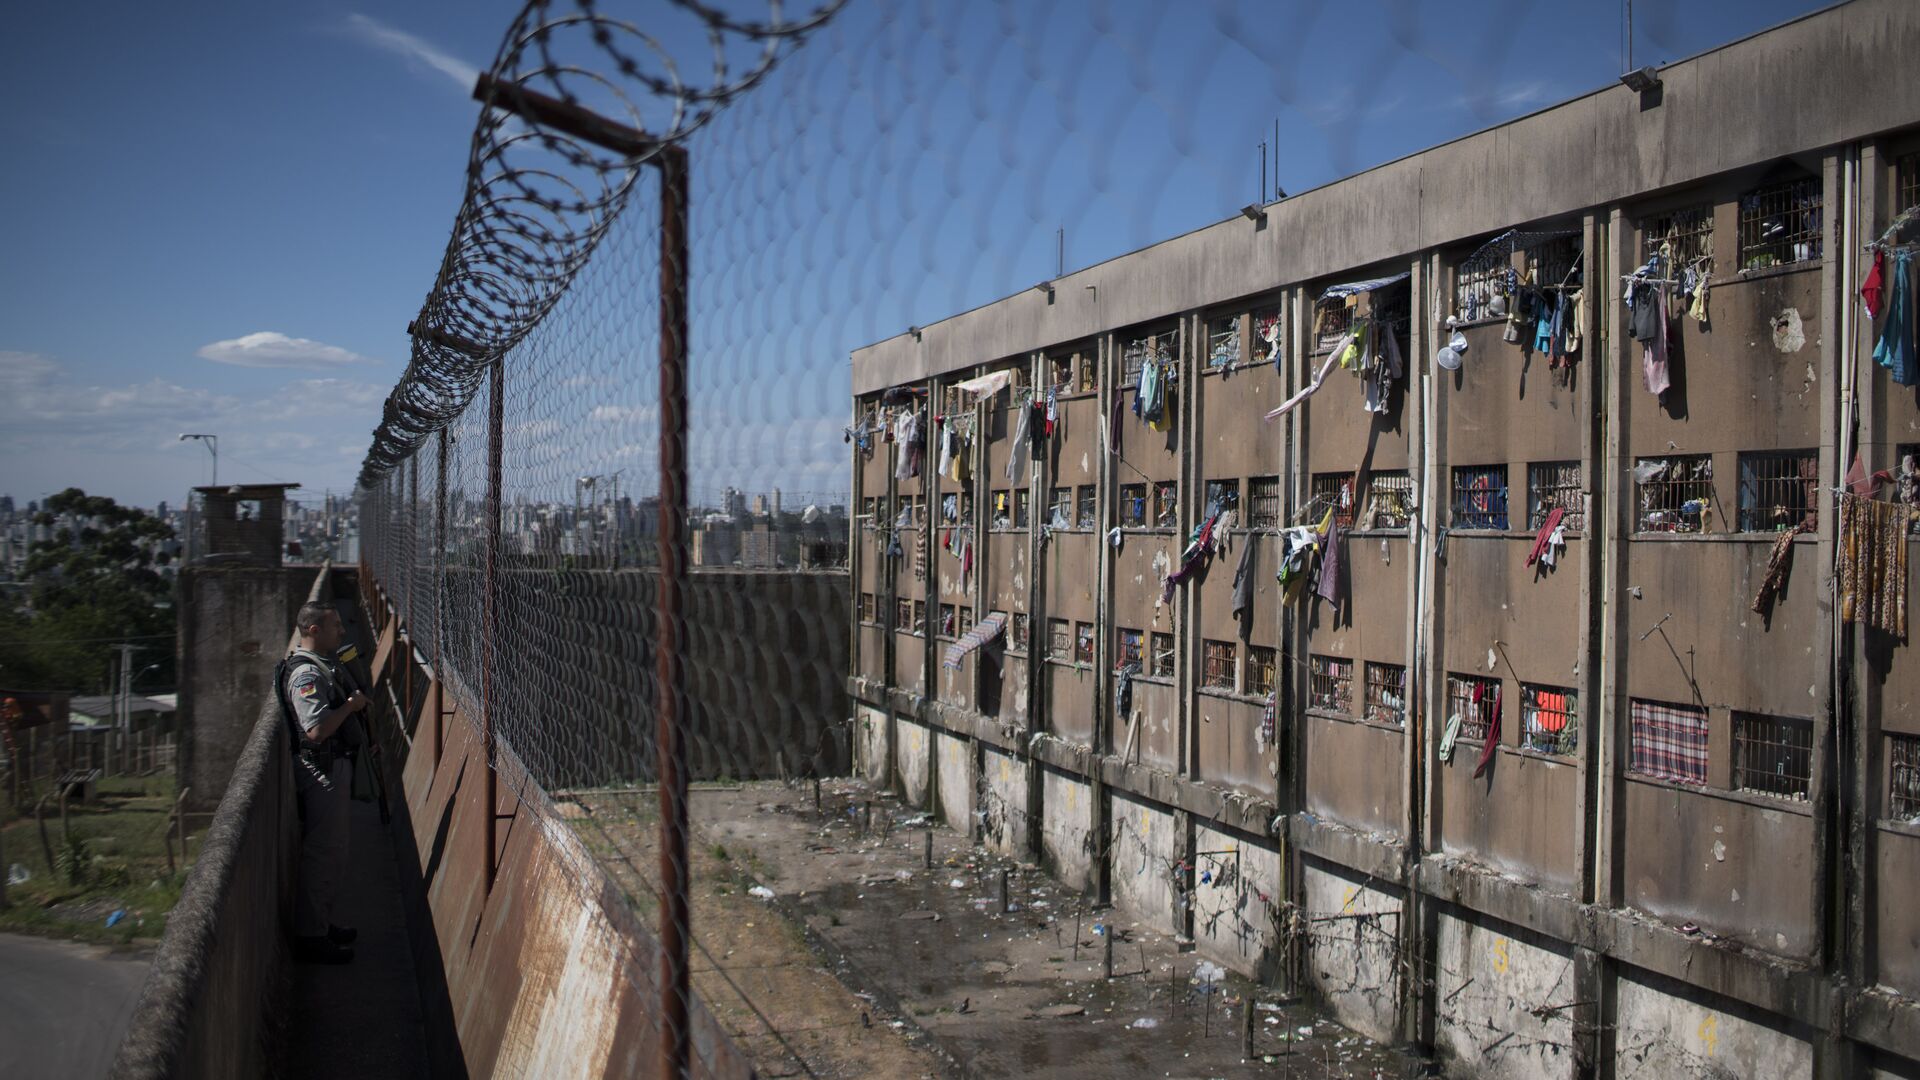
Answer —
6 506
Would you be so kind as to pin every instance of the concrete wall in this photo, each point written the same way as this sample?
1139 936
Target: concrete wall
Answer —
1506 1002
1659 1032
1352 940
953 770
1066 831
913 761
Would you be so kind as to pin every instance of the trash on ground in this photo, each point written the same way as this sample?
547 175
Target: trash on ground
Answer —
761 891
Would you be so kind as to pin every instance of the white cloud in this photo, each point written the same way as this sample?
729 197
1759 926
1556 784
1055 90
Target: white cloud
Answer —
417 50
271 349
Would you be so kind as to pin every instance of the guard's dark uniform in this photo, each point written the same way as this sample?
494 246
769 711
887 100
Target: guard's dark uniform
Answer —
323 779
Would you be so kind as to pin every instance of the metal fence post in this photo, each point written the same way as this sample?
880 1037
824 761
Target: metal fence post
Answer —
440 603
490 622
671 754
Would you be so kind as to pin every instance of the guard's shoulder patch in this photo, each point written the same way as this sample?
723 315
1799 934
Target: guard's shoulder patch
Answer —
306 683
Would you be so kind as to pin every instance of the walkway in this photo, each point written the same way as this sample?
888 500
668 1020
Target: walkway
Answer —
363 1019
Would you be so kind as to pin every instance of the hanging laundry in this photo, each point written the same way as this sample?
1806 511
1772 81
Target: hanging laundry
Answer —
957 466
1243 579
906 434
986 385
1698 310
1650 319
1779 565
946 445
1543 540
1328 586
1113 424
1872 567
1318 378
1017 452
1053 409
1123 689
1870 289
1895 348
1387 371
1269 714
1493 728
1576 319
1448 736
1199 550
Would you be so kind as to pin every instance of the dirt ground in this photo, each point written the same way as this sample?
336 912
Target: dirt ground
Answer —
868 963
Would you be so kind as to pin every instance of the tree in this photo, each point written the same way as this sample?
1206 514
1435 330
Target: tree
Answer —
96 581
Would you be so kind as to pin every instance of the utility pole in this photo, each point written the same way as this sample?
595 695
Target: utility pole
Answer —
123 706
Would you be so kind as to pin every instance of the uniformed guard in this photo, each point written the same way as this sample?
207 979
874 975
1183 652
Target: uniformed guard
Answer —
315 707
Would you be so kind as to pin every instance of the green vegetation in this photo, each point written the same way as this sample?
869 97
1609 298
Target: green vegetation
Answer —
112 856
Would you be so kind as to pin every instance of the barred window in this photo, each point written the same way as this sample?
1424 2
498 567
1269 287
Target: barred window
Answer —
1266 335
1550 719
1333 491
1903 777
1087 518
1083 643
1223 342
1330 684
1133 357
1773 755
869 512
1020 496
1387 693
949 621
1686 233
1331 322
1674 494
966 620
1906 473
1780 223
1906 182
1668 741
1133 505
1060 511
1160 658
966 508
1059 639
903 614
1263 502
1474 288
1088 368
1018 626
867 607
1555 485
1480 497
1779 489
1002 509
1127 644
1476 701
1222 495
920 617
1552 262
1166 504
1217 667
1260 663
1062 371
1389 500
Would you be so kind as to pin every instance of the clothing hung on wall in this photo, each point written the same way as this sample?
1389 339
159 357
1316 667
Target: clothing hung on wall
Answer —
1873 563
1017 451
1648 323
1243 579
1492 740
1894 351
1779 565
1544 541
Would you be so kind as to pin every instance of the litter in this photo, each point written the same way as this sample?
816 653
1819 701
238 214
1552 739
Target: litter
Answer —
958 883
1208 973
1145 1022
761 891
115 918
18 875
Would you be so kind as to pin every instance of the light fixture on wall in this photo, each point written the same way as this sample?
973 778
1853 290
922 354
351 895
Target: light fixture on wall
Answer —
1641 80
1255 213
915 331
1046 287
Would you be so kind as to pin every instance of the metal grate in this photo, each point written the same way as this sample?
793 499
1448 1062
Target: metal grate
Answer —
1020 497
1387 693
1260 664
1217 668
1335 491
1674 494
1166 504
1906 182
966 508
1002 509
1083 643
1550 718
1020 626
949 621
1474 288
1135 354
920 617
1330 684
1474 700
1686 233
1088 517
868 609
1062 371
1552 262
1059 639
1127 647
1223 342
1669 741
1263 502
1906 478
1088 381
1780 224
1331 322
1222 495
903 615
1555 485
966 620
1133 505
1903 777
1160 659
1779 489
1772 755
1267 328
1389 500
1480 497
1060 508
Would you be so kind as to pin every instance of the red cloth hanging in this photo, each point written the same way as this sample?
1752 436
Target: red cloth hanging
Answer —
1870 288
1493 737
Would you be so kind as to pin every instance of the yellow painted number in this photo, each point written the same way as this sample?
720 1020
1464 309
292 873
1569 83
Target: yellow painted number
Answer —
1709 1033
1353 892
1500 956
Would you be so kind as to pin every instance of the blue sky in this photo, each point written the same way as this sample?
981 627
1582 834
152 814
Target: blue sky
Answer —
220 217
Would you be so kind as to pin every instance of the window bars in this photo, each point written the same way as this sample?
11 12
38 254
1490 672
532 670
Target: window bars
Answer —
1772 755
1389 500
1480 497
1166 504
966 621
868 609
1083 643
1333 491
1060 509
1127 650
1087 382
1266 335
1555 485
1906 182
1686 233
949 621
1903 777
1472 698
920 618
1387 693
1906 475
1331 323
903 615
1223 342
1160 655
1002 509
1674 494
1020 497
1088 516
1260 671
1550 719
1133 505
1020 626
1217 667
1062 370
1780 223
1059 639
1135 353
1669 741
1779 489
1474 289
1222 495
1330 684
1263 502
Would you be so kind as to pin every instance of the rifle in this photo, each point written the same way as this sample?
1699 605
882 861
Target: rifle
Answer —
355 677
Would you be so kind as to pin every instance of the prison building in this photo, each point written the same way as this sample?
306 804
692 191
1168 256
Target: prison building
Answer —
1362 588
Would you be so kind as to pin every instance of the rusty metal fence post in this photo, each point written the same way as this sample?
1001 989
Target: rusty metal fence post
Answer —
490 620
440 602
671 721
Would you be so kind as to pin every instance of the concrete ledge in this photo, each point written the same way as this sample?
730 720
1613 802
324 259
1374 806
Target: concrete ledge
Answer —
1882 1019
1378 858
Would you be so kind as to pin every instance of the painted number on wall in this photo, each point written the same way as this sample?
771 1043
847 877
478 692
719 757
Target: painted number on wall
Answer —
1709 1032
1500 956
1353 893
